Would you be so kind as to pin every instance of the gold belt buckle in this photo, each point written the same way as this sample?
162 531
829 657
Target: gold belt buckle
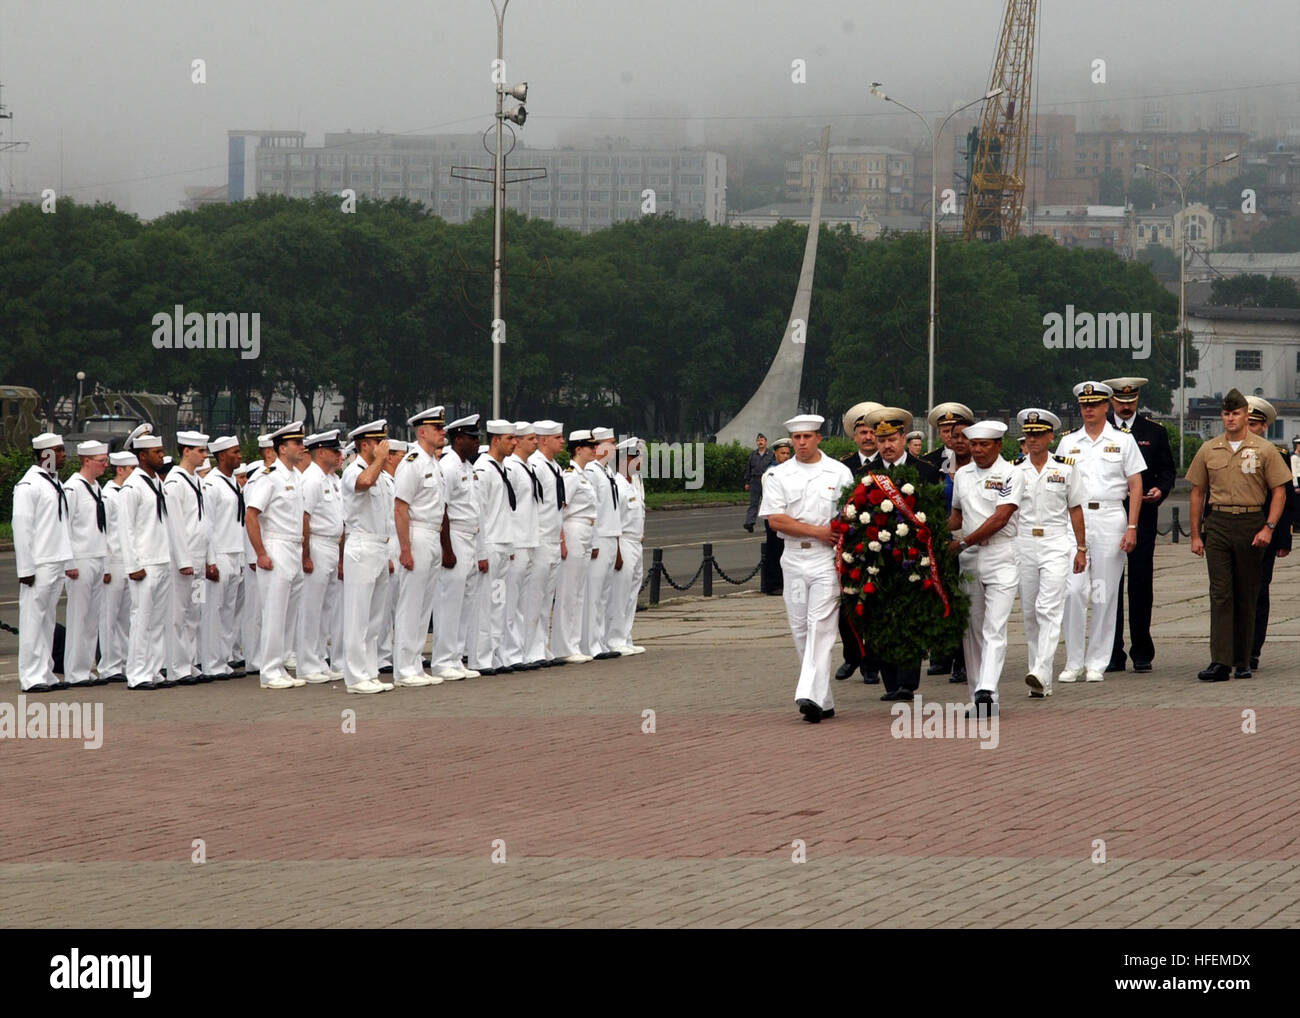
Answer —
805 544
1037 531
1094 505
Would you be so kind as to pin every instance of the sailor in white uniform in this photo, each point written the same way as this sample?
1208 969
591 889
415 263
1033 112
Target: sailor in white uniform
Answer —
497 505
251 607
455 598
521 609
88 530
115 608
223 515
627 578
322 507
193 564
575 550
367 517
604 550
546 558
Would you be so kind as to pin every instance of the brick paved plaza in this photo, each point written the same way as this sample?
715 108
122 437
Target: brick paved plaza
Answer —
692 825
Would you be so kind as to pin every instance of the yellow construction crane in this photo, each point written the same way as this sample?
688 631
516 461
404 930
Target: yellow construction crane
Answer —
997 148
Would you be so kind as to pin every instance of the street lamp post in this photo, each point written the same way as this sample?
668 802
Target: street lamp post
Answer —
81 377
879 93
1182 285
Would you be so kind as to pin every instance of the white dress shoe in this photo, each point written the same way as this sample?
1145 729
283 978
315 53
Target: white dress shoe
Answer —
450 675
469 673
291 661
1070 675
413 680
1092 675
334 674
577 659
384 686
623 650
366 686
318 678
635 649
277 683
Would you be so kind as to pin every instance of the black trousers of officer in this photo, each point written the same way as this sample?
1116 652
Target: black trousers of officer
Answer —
1235 567
899 676
1141 575
773 580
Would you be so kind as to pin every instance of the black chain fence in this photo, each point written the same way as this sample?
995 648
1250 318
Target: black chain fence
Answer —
708 568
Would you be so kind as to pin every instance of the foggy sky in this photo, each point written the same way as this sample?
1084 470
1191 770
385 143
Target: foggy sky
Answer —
102 90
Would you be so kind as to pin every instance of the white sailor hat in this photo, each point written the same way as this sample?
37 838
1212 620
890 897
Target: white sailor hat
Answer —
465 425
323 440
547 427
168 461
602 434
193 439
888 420
1260 410
482 449
148 442
85 449
248 468
1034 419
631 445
499 427
205 465
1088 392
805 422
856 413
434 415
950 413
123 459
524 428
47 440
396 445
222 444
375 429
985 430
264 441
581 436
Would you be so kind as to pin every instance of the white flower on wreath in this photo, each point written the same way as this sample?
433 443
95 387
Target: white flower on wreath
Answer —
925 560
873 570
886 506
901 530
920 517
912 578
908 490
847 557
850 513
884 535
850 590
873 546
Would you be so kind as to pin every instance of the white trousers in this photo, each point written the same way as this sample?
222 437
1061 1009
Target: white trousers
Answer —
521 609
812 597
85 595
992 586
627 586
251 621
415 601
114 620
188 596
149 645
279 591
1045 564
545 573
218 625
1097 586
37 606
487 645
316 610
452 601
571 588
365 591
390 608
600 584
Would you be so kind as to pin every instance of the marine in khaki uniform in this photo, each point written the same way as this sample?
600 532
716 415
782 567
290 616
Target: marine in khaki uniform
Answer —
1245 479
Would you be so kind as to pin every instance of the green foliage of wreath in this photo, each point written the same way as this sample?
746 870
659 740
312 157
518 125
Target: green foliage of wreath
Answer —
899 618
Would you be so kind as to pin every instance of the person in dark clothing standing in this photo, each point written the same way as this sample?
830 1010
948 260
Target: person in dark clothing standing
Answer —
1262 416
759 460
949 419
1157 482
773 582
863 458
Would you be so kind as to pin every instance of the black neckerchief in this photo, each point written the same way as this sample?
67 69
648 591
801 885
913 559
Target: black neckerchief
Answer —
532 475
197 494
239 497
612 486
510 491
100 519
63 495
559 485
158 495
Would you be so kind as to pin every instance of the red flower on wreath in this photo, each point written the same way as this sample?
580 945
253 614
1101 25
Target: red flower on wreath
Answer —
867 588
858 607
871 534
859 497
880 519
897 553
927 583
855 573
923 534
858 548
875 496
910 500
912 553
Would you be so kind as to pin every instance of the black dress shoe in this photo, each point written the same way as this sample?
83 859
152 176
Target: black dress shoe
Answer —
556 662
870 677
749 527
187 680
60 685
904 694
386 670
954 678
606 655
145 686
40 687
845 670
236 666
1241 673
1115 667
828 713
890 694
958 673
119 677
939 668
165 683
810 711
1254 663
1214 673
520 667
1141 666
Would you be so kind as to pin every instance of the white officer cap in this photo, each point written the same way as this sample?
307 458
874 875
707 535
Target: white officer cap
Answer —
500 427
195 439
85 449
467 425
395 445
888 419
580 436
805 422
482 449
1126 389
986 430
1088 392
602 434
1260 410
1032 419
856 413
547 427
222 444
630 445
434 415
950 413
524 428
375 429
264 441
349 449
142 437
291 430
123 459
323 440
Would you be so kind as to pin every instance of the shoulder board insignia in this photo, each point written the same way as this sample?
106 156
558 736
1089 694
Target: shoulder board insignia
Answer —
1067 460
268 470
1018 460
411 458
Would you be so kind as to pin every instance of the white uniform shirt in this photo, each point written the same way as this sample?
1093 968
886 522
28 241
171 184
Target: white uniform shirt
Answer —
187 520
278 501
548 509
40 522
144 536
527 487
112 508
631 506
388 488
88 541
808 492
363 511
221 498
322 500
418 482
252 476
603 486
1048 496
579 494
498 527
1105 463
978 492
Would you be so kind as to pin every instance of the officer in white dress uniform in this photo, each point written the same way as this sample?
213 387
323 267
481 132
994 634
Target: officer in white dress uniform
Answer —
322 528
147 560
223 515
1049 542
455 597
115 608
367 518
986 493
604 550
193 563
273 517
627 578
251 609
799 501
1111 466
88 531
521 607
396 451
546 557
578 534
486 650
43 553
420 510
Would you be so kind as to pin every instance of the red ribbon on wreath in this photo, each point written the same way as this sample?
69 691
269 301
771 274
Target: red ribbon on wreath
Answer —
896 496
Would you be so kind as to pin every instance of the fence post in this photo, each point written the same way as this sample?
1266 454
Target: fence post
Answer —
708 570
1174 528
656 570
